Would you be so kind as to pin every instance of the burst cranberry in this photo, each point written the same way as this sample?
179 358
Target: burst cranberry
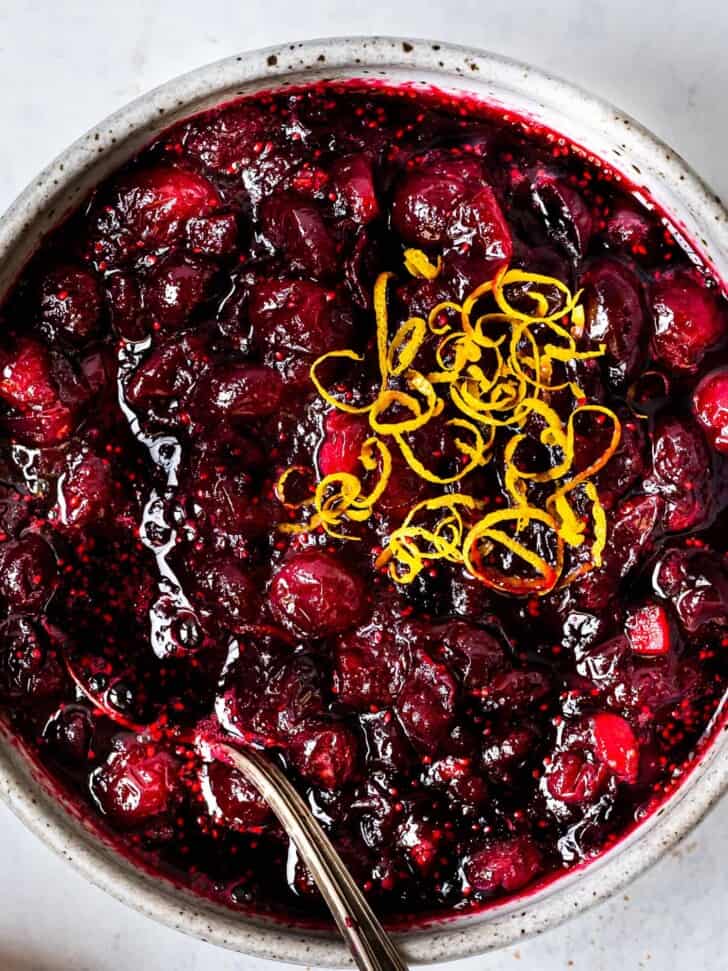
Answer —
615 317
238 391
681 473
474 654
632 533
25 380
615 745
227 590
420 839
352 180
514 690
648 630
341 447
508 749
29 666
27 573
625 467
69 734
125 306
213 235
173 290
696 583
138 783
231 141
627 229
687 321
316 595
85 492
372 661
70 304
574 777
150 208
231 800
385 741
507 864
295 322
324 753
479 227
169 372
565 214
426 704
297 230
267 694
710 404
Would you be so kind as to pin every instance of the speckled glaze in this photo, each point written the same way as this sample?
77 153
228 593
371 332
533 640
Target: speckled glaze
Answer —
586 121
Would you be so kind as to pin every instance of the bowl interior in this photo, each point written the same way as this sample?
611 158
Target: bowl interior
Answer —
604 134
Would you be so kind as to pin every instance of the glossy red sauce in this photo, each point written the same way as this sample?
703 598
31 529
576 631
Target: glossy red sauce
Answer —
458 744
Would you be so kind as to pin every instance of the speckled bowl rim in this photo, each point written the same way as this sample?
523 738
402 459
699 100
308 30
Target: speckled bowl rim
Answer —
588 121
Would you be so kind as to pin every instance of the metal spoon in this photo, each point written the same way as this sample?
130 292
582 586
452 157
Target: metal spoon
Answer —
370 945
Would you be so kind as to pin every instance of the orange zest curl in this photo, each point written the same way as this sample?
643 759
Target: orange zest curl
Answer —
499 370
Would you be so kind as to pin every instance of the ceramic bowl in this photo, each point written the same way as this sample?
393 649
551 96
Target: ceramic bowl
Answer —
587 121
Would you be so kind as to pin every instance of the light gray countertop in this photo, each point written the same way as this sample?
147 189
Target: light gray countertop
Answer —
65 65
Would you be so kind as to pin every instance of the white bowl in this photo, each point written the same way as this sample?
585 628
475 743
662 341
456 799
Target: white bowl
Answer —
589 122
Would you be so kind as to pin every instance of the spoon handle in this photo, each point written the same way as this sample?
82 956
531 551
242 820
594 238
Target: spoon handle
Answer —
370 945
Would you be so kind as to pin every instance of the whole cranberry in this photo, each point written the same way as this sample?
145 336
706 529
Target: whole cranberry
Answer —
316 595
575 777
324 753
426 704
296 228
28 573
70 304
138 783
507 864
627 229
173 289
424 203
710 405
687 321
615 317
230 390
231 800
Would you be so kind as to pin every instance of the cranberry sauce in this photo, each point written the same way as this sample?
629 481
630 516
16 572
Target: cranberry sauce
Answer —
463 720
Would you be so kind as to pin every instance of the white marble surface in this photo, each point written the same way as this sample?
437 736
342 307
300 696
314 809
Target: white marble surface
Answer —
64 64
